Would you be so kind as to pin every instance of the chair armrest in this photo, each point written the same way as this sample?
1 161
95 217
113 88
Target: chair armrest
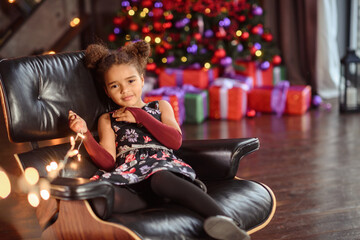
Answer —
83 189
216 159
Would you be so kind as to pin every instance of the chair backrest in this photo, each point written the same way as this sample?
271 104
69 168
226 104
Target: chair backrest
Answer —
38 91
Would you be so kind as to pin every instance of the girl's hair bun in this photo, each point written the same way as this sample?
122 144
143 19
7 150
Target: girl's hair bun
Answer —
143 48
94 54
140 49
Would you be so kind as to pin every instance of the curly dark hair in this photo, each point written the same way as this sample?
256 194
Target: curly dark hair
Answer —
99 58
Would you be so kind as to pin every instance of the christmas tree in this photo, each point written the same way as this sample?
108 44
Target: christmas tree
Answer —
196 33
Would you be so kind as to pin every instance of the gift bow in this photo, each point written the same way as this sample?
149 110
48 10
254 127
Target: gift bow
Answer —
229 83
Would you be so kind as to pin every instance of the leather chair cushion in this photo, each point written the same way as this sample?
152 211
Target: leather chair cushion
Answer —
38 92
241 199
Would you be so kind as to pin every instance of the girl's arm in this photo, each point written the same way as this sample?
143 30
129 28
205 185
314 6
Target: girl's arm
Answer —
167 115
167 131
103 154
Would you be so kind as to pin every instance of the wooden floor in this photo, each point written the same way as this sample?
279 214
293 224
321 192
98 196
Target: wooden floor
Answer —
311 162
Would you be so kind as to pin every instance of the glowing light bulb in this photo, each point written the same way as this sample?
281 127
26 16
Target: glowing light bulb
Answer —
258 53
11 1
45 194
207 65
131 12
53 165
5 186
183 59
31 175
143 14
72 141
33 199
148 39
158 40
238 33
72 153
81 135
74 22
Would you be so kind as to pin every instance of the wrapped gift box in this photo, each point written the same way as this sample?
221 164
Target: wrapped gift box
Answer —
200 78
149 84
296 100
228 100
196 107
260 77
279 74
175 96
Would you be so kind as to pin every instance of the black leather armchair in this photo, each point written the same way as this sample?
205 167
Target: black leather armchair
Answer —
37 92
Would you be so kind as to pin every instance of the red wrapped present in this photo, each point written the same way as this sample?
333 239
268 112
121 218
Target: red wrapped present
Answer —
259 76
280 99
228 100
200 78
298 100
174 95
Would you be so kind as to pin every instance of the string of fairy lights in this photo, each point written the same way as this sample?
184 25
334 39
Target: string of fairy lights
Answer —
31 183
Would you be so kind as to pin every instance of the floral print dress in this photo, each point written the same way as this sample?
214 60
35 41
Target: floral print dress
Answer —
139 154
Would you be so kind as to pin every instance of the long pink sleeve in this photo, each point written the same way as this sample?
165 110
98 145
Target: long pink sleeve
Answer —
98 154
168 136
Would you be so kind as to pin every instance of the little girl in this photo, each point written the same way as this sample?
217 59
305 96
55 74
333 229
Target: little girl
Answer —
134 152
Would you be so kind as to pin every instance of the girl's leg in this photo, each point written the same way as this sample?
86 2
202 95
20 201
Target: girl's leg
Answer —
167 184
125 201
217 225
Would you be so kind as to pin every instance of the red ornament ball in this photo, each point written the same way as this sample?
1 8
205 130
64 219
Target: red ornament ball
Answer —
197 36
167 45
146 3
151 66
268 37
241 18
220 53
251 113
118 20
145 30
276 60
158 26
253 49
134 27
255 30
245 35
111 37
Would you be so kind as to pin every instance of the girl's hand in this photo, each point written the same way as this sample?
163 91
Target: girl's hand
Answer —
76 123
123 115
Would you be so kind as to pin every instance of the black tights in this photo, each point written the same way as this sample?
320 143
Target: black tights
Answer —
167 185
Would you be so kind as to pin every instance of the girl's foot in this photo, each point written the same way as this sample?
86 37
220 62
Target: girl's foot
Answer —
225 228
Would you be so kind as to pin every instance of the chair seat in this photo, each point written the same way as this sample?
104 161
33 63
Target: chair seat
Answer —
246 201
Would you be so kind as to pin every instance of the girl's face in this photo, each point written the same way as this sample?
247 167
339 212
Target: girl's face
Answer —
123 84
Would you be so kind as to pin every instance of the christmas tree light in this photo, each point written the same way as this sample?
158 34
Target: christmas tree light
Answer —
185 33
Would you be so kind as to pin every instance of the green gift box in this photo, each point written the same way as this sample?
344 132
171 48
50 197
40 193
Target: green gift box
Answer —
196 107
279 74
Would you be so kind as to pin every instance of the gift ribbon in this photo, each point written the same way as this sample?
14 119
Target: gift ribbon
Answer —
166 92
258 75
225 84
211 76
278 97
179 75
